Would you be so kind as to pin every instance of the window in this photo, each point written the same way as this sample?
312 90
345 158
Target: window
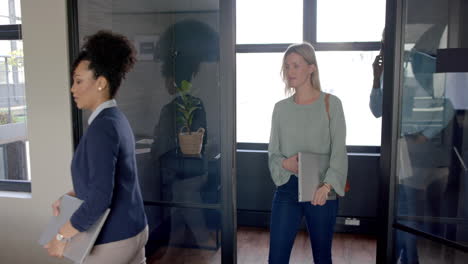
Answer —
14 168
353 87
258 76
258 23
345 53
357 24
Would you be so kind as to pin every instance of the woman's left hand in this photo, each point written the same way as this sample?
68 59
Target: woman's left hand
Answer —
320 197
56 248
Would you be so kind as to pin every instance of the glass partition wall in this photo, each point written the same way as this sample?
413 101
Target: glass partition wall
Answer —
428 186
176 105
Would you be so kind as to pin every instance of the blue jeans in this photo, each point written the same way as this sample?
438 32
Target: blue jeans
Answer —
286 217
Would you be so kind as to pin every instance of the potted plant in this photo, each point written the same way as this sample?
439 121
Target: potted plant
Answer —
190 142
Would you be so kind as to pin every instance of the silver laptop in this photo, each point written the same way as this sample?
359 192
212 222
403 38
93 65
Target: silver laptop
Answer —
81 244
311 166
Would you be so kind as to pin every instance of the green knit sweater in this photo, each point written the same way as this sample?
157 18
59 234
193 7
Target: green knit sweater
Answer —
306 128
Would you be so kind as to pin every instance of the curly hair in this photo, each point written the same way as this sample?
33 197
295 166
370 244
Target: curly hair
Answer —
110 55
183 46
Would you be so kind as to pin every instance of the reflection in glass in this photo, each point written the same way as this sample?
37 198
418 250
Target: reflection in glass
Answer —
174 88
428 251
182 170
181 244
432 144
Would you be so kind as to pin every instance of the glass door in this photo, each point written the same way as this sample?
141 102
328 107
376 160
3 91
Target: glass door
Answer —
428 207
177 102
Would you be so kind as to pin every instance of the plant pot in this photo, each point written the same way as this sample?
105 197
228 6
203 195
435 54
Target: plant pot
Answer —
191 143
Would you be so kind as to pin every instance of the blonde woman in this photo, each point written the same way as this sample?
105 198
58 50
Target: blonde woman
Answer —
302 123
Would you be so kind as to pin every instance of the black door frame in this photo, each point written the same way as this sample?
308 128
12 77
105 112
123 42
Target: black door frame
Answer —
390 128
228 129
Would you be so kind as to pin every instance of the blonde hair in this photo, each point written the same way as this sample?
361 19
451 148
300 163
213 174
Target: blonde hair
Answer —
306 51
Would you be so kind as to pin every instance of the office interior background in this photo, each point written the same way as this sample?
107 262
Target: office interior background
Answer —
407 169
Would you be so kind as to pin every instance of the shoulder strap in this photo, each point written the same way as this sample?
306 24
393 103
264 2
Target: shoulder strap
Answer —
327 104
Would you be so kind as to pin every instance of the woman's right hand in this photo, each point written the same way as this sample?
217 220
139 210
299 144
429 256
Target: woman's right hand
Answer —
291 164
56 207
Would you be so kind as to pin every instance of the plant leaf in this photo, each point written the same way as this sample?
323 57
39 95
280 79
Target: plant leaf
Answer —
186 86
180 120
190 121
190 111
181 106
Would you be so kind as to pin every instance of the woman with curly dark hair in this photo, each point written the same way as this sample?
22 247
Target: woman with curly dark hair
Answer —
103 168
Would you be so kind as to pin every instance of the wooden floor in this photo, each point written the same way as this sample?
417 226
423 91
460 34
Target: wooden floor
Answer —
253 243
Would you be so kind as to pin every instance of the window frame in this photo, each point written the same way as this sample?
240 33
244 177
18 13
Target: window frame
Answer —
310 35
13 32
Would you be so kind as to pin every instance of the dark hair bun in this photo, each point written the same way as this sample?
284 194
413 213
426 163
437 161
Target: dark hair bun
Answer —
111 50
111 55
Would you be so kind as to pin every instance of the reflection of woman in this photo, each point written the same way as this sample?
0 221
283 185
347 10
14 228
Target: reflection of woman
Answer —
104 168
181 61
182 48
424 118
301 123
166 153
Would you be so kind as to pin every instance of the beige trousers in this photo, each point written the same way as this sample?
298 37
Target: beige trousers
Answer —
128 251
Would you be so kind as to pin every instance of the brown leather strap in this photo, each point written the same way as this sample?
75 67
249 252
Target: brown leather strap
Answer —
327 104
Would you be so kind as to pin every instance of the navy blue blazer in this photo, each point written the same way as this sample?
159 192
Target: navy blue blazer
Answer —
104 174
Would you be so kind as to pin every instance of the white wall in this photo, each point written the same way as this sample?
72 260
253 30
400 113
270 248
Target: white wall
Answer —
49 130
